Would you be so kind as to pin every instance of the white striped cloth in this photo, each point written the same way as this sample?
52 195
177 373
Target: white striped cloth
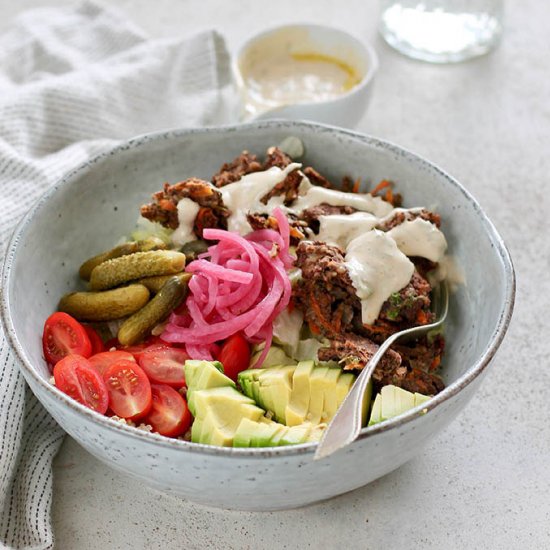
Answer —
73 81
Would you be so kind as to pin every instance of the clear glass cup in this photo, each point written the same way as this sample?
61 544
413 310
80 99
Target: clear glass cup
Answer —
441 31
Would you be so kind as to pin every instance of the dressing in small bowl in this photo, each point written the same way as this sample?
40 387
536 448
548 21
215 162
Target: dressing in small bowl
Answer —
305 71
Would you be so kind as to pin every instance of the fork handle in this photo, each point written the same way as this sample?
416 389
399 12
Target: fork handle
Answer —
348 420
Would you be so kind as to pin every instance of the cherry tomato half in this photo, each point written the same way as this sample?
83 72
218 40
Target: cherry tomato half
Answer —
169 413
164 365
75 376
95 339
234 355
129 389
64 336
136 349
100 361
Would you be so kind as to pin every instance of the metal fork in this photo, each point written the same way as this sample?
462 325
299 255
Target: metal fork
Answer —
347 422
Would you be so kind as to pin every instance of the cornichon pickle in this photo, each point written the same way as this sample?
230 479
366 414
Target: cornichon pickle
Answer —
154 284
136 327
151 243
136 266
193 248
107 305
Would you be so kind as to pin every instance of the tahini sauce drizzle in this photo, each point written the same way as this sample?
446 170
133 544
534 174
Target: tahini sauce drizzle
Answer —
419 238
340 229
244 195
187 212
377 269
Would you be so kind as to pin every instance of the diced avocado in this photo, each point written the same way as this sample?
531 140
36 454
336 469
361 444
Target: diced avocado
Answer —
317 432
201 375
343 387
212 433
345 382
196 430
244 433
367 399
298 406
255 434
278 435
419 398
393 401
296 434
225 402
218 412
316 394
402 401
330 401
376 412
264 434
276 385
274 358
210 374
211 377
265 397
246 379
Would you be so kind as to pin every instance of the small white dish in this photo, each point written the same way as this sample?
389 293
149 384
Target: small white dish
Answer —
345 108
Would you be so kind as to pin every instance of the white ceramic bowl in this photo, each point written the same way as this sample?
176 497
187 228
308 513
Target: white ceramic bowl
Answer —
347 109
94 205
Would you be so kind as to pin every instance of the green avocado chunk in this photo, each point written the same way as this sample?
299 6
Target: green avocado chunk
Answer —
298 406
276 385
317 386
218 412
301 393
200 375
266 433
393 401
205 374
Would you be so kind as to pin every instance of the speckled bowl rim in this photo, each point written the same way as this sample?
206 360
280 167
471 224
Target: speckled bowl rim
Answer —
154 439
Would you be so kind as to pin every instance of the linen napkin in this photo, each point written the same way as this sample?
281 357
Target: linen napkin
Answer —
73 81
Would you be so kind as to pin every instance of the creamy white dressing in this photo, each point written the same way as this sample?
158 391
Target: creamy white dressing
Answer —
289 78
377 269
187 212
364 202
340 229
399 210
244 195
419 238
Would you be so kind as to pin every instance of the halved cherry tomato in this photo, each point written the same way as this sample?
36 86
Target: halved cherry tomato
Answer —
164 365
75 376
106 358
64 336
95 339
129 389
234 355
169 413
136 349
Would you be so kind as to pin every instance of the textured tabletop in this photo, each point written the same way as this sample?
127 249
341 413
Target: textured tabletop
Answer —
484 482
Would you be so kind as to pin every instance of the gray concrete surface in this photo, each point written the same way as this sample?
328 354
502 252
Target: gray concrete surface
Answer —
485 482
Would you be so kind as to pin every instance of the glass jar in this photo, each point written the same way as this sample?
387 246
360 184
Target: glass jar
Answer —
441 31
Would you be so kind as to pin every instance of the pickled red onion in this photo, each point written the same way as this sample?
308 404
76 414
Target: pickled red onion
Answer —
239 285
